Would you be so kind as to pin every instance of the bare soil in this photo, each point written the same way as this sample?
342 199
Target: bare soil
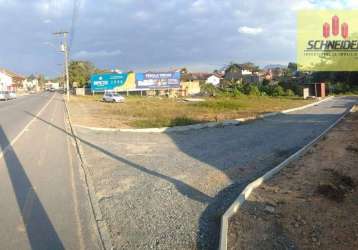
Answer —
311 204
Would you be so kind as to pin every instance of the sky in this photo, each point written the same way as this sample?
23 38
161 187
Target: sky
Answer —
141 35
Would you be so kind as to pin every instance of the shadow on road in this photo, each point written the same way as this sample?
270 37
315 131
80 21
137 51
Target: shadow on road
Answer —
39 230
242 142
182 187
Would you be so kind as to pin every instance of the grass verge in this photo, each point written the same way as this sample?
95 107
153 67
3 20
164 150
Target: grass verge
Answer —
146 112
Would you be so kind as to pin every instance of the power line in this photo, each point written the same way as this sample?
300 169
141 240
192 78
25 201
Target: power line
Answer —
75 14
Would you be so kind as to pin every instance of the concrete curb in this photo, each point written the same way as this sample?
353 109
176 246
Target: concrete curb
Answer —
101 225
255 184
202 125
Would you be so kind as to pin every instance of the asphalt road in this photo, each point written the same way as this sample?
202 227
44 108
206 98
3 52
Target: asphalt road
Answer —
43 200
168 191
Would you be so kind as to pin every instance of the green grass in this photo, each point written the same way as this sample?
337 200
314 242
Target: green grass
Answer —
220 104
146 112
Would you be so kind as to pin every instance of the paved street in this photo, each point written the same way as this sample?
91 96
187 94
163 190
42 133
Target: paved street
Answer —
43 201
168 191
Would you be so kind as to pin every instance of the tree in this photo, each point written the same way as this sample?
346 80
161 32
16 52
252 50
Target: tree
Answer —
250 66
185 75
292 67
233 68
42 80
80 72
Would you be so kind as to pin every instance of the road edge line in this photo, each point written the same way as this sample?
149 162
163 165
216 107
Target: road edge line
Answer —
255 184
225 123
101 225
18 136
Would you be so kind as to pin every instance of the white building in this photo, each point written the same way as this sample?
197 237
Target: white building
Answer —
246 72
10 80
214 80
5 80
52 85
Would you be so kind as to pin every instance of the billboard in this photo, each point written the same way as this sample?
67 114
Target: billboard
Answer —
158 80
109 81
129 85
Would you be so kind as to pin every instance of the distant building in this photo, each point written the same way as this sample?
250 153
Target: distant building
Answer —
214 79
5 81
243 75
198 76
9 79
31 83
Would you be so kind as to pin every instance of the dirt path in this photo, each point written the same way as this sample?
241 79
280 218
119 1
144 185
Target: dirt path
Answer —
312 204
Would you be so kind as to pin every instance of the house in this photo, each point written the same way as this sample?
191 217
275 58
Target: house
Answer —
198 76
31 83
243 75
190 83
5 81
214 79
252 79
10 80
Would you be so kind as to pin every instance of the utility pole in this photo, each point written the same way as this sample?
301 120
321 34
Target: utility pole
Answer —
63 75
64 48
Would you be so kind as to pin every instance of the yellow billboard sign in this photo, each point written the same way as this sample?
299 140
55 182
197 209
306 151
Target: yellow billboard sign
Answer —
327 40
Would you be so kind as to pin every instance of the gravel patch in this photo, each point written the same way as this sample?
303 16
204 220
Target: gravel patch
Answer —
168 191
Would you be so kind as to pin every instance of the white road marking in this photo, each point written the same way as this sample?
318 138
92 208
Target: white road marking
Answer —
8 147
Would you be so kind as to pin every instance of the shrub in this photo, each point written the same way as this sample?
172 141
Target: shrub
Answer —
278 91
209 89
236 92
182 121
340 88
273 90
254 90
289 92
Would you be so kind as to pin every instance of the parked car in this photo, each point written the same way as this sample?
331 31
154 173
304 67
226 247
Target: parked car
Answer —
112 97
4 95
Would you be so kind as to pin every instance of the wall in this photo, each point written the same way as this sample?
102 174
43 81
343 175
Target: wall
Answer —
214 80
190 88
5 81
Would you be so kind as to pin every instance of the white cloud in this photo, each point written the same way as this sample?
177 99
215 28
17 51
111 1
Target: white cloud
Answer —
199 6
250 30
302 4
141 15
96 54
56 8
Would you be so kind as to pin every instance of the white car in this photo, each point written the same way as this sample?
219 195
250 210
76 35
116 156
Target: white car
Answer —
4 95
112 97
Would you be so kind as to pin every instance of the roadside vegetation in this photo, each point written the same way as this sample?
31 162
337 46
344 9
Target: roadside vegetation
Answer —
146 112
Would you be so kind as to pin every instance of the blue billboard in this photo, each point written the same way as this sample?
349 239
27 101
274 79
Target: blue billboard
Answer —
103 82
161 80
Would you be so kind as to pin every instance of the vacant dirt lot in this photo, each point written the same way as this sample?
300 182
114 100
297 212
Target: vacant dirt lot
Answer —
312 204
146 112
